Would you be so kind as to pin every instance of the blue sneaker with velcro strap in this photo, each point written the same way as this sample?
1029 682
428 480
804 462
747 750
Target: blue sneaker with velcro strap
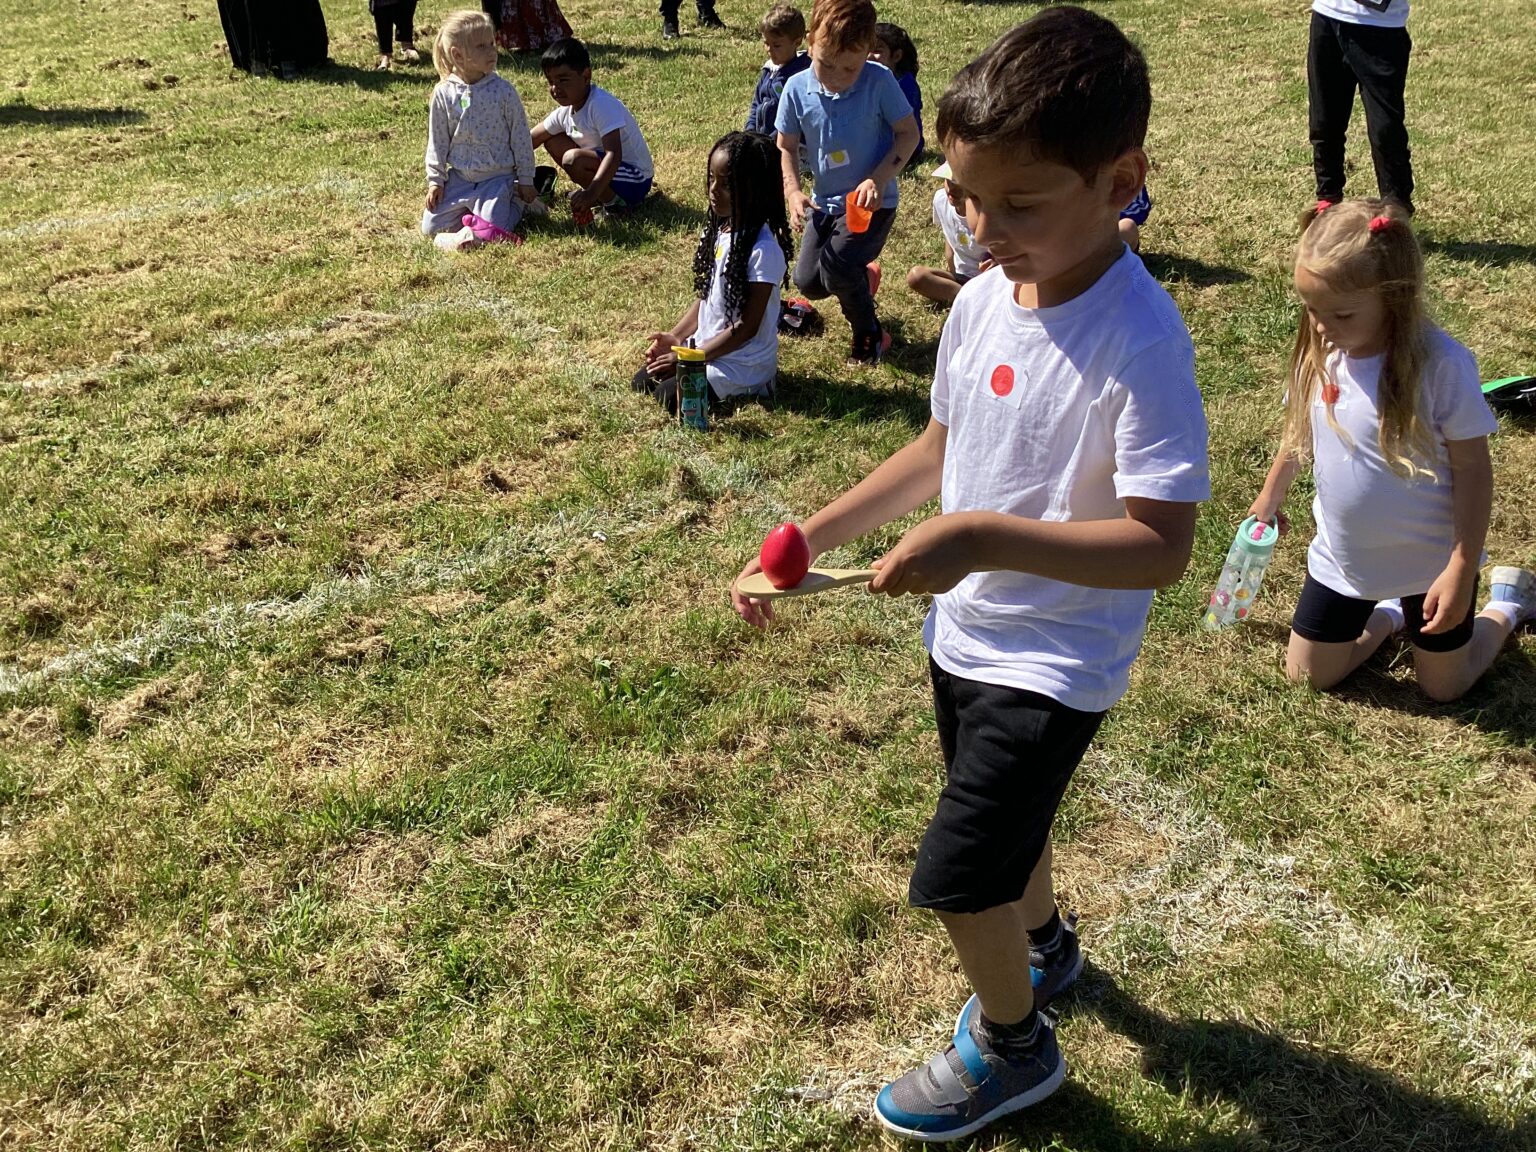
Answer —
968 1086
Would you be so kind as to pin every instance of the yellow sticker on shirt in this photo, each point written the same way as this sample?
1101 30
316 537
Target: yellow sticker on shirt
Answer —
837 158
721 243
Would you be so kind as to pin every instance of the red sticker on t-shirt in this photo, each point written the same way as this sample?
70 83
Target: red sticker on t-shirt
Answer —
1002 380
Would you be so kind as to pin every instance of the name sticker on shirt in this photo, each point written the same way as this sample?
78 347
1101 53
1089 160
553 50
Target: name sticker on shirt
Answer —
1006 383
838 158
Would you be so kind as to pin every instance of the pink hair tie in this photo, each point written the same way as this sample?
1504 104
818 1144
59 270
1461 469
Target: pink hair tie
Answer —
1380 224
1322 206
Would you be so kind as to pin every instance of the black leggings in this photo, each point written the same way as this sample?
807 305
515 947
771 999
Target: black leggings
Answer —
399 19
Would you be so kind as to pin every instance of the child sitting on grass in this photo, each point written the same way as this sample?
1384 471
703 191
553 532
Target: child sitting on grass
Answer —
894 48
740 262
963 257
783 31
591 135
842 107
1391 411
477 141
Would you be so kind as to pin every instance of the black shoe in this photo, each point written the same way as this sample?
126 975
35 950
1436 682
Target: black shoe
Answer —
709 18
669 30
544 180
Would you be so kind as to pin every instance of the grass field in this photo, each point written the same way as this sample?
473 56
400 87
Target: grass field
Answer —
381 766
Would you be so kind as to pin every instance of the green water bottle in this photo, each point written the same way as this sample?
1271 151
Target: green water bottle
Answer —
692 388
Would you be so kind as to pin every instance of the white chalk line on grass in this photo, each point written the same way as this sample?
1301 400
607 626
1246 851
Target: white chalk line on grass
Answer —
226 626
1237 887
460 300
186 206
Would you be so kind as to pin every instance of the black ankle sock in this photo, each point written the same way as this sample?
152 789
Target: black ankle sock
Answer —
1046 937
1012 1040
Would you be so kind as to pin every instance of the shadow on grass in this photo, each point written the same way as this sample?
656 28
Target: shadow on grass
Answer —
25 115
865 393
414 75
1169 269
657 215
1499 703
1494 253
1291 1096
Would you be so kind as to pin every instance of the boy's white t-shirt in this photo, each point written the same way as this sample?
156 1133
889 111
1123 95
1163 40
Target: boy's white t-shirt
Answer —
752 367
1380 13
601 114
1060 414
1380 535
957 234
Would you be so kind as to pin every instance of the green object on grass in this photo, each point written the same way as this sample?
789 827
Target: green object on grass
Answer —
1492 386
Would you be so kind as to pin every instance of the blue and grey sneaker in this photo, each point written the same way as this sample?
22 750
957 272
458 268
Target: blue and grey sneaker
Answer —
1515 586
968 1086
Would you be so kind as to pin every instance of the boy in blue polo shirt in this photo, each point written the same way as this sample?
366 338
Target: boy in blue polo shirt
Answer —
1067 446
841 107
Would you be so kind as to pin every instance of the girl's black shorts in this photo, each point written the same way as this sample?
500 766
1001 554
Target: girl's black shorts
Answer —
1324 616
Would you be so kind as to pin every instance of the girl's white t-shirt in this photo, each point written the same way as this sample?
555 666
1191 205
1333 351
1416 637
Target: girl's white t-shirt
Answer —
1380 534
752 367
1381 13
1060 414
957 234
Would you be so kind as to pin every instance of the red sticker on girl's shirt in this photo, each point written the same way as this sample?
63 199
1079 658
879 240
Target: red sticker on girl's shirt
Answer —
1330 392
1002 380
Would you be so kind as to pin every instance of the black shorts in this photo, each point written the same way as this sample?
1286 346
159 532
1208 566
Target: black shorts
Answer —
1324 616
1008 755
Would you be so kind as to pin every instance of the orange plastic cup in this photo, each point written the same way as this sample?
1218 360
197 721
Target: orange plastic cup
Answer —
858 216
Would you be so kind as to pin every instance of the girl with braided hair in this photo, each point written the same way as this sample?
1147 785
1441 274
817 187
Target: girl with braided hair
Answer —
740 263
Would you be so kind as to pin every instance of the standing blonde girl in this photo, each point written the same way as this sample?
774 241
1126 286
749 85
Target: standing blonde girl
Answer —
1390 411
478 145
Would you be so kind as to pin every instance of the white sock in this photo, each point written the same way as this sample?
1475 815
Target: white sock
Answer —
1393 610
1507 609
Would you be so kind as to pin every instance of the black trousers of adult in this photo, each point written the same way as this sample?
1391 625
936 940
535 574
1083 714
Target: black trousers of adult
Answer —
395 20
1340 58
669 9
278 34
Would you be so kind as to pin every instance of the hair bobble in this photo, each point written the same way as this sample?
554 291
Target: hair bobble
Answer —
1321 207
1380 224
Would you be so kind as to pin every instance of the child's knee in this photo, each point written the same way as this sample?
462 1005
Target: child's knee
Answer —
917 277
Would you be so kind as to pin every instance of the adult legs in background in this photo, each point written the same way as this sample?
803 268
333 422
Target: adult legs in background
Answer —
1330 100
1378 57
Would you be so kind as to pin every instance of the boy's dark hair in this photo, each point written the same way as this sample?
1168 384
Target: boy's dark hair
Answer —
1066 83
894 36
567 52
783 20
757 198
843 25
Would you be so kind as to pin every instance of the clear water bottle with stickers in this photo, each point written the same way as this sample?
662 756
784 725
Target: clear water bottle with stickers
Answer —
1252 548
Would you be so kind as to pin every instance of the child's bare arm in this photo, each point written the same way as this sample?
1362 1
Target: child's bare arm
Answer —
607 167
659 356
949 259
1282 473
1148 548
795 200
540 135
903 144
907 480
1449 597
